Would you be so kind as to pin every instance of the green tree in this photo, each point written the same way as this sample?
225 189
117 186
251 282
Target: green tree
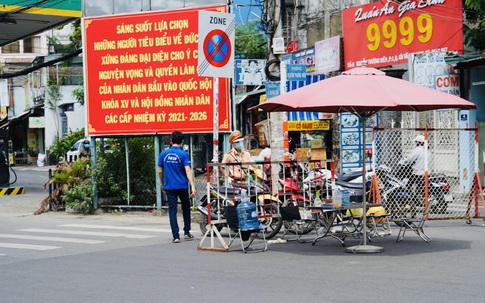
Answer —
250 40
78 93
75 43
54 95
475 15
75 39
61 146
110 174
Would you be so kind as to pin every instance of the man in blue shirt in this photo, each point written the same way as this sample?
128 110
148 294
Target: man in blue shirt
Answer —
175 174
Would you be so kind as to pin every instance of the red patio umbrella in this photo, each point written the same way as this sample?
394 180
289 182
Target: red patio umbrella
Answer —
363 91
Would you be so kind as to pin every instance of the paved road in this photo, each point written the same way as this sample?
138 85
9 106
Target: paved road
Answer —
59 257
32 178
127 259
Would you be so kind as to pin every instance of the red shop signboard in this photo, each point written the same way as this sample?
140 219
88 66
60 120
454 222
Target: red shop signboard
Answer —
141 75
384 33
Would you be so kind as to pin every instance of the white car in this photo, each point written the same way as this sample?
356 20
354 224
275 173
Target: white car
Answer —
74 151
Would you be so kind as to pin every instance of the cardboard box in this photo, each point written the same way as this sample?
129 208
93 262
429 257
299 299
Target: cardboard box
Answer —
302 154
316 143
319 154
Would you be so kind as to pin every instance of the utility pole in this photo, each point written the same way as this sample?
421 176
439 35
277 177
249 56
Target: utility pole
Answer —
277 118
326 20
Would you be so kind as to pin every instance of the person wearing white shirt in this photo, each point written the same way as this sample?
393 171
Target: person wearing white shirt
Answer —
416 160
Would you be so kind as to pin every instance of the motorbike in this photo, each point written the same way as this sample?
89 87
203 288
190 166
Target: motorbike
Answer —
398 197
439 189
300 186
289 191
288 187
222 196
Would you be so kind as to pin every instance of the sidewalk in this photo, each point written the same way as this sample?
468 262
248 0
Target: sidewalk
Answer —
29 202
26 204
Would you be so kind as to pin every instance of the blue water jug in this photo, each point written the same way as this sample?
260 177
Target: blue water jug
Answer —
246 214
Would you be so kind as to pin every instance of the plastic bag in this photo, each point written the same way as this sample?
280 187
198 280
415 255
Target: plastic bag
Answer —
40 159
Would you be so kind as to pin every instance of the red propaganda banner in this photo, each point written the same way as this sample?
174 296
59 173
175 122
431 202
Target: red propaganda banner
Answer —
141 75
383 33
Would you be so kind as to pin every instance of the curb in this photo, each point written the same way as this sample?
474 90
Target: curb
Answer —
12 191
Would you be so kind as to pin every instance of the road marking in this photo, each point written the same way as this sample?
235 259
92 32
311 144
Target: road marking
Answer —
53 239
155 230
85 233
27 246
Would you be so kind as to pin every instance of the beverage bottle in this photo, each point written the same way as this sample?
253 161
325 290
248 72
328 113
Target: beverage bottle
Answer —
337 198
345 196
318 201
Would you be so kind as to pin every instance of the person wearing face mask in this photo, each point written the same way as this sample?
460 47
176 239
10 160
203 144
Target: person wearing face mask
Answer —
415 164
85 150
235 155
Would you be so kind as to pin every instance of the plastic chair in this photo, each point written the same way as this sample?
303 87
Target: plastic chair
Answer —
378 222
291 217
247 236
415 224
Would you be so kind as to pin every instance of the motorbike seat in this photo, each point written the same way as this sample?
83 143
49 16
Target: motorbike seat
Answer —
348 176
228 190
350 185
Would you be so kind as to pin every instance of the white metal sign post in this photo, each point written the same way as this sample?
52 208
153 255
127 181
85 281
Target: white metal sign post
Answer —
215 59
216 56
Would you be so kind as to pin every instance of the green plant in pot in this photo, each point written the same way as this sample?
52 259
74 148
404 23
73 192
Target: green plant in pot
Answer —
33 154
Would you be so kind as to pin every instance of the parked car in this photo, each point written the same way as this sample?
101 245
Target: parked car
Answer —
74 151
77 148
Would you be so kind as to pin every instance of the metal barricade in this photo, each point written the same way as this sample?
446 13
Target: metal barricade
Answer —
268 184
453 183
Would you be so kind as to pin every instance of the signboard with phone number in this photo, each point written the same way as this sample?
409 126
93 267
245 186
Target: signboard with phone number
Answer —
391 30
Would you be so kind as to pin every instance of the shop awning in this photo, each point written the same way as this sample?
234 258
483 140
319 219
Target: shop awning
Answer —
241 97
465 61
3 121
306 116
473 62
6 122
21 19
291 85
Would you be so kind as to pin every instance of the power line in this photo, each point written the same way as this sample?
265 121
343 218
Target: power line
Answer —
41 65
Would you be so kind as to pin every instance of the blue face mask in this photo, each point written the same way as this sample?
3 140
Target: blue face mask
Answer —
86 145
238 145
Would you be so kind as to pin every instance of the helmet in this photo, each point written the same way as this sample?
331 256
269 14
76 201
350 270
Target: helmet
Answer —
419 138
86 141
234 136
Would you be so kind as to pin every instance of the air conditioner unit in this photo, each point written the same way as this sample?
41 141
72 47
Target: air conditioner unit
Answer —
278 46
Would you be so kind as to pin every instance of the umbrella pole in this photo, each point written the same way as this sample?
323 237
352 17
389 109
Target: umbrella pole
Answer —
364 248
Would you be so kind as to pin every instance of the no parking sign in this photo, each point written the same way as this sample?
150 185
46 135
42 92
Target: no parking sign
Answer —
216 44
